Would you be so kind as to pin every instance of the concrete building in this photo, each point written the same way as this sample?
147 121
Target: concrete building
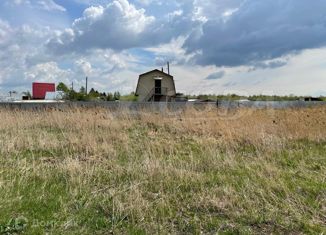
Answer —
156 86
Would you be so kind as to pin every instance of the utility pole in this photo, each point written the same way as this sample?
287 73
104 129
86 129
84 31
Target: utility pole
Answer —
86 85
168 67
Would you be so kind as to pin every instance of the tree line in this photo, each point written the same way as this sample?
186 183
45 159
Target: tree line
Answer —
82 95
92 95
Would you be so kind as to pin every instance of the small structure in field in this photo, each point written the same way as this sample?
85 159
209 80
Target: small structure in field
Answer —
40 90
156 86
307 99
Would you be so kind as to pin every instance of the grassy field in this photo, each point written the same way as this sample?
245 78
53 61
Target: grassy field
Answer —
210 172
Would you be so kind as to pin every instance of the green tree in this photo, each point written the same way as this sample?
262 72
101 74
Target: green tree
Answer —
130 97
92 92
63 87
72 95
109 97
116 95
82 90
103 96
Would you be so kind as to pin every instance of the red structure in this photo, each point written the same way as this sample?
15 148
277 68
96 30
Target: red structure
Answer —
40 89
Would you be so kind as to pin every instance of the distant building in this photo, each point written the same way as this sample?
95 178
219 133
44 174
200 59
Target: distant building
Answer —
307 99
40 90
155 86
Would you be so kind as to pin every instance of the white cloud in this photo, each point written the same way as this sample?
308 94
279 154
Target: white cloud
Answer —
50 5
215 9
92 2
119 26
172 52
47 72
20 2
257 31
4 31
84 67
149 2
20 49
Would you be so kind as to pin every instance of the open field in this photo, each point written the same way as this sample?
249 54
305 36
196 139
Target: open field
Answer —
91 171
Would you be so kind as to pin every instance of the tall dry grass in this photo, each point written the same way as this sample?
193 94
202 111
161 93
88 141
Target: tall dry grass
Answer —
95 171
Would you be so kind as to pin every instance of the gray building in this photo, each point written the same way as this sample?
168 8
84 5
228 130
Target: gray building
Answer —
155 86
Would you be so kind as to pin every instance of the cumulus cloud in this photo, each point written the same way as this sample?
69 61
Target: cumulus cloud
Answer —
212 9
23 60
22 55
172 52
118 26
84 67
259 31
47 72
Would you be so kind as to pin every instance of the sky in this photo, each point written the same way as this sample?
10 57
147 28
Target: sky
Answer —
272 47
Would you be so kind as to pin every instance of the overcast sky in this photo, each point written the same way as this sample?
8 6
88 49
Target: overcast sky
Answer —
214 46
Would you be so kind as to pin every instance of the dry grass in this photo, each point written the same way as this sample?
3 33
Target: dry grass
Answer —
100 172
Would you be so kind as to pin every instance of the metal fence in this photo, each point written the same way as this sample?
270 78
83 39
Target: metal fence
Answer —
270 104
158 106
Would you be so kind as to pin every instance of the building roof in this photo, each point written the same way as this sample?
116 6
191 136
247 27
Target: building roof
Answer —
153 71
156 70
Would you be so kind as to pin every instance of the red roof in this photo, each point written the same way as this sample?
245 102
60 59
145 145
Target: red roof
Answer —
40 89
